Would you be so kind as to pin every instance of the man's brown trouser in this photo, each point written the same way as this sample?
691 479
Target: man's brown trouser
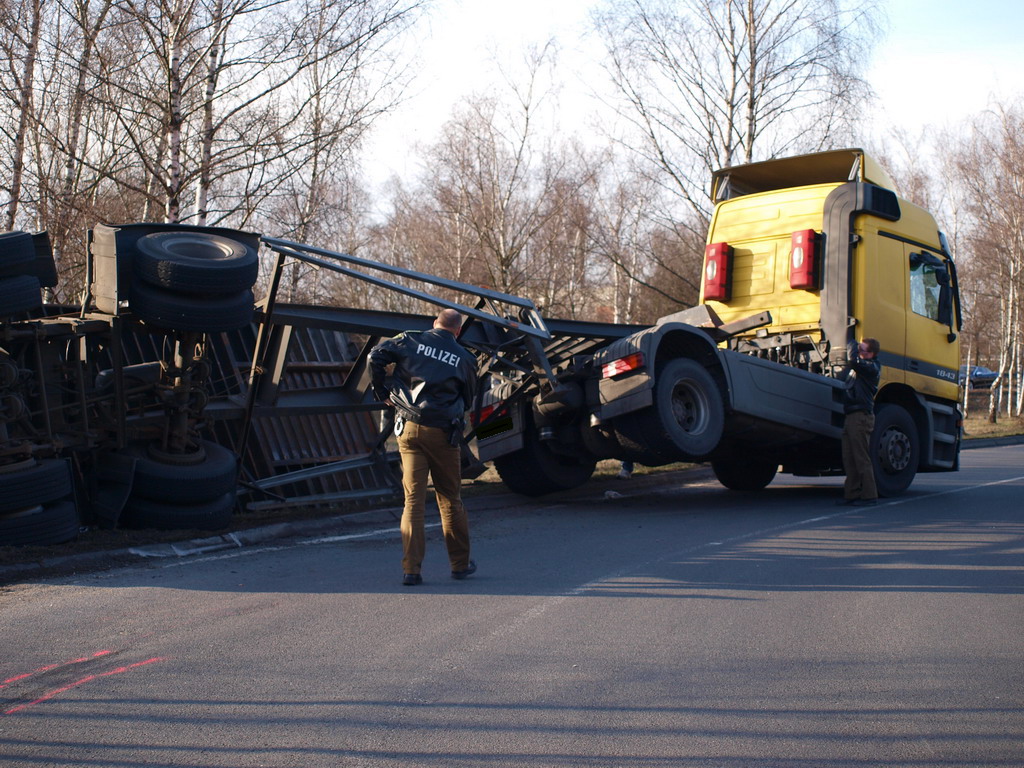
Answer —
860 475
427 450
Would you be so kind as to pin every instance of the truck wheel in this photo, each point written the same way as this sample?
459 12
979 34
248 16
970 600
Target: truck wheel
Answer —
17 252
195 262
895 450
181 312
686 421
184 483
41 483
535 470
746 475
206 516
40 525
19 294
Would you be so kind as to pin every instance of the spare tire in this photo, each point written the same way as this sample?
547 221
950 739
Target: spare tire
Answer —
180 312
195 262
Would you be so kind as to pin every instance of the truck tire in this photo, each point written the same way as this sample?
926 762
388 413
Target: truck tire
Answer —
41 483
19 294
686 420
536 470
744 475
895 449
17 253
181 312
205 516
195 262
209 479
40 525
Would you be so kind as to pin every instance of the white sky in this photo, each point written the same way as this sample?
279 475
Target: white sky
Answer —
940 61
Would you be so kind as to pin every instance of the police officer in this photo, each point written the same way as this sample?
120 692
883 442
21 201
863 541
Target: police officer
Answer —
862 372
431 389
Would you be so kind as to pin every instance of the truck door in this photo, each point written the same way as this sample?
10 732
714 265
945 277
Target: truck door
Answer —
931 357
880 299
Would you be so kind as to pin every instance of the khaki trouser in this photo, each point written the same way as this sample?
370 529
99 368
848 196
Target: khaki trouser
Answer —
427 450
860 475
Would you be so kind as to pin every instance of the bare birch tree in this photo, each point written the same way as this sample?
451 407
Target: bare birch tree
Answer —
990 173
711 83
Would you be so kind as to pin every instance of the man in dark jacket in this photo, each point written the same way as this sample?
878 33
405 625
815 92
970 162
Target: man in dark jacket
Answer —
862 372
431 389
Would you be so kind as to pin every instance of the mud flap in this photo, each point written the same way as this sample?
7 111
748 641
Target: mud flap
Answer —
112 482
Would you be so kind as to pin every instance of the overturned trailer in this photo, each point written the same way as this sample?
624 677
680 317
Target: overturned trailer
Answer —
170 399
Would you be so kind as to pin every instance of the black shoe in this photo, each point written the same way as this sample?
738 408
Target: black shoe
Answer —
411 579
469 570
866 503
846 502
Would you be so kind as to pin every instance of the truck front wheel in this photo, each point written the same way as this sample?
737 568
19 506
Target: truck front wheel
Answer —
685 422
895 450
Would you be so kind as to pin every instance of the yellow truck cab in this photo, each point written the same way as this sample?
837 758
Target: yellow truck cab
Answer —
824 245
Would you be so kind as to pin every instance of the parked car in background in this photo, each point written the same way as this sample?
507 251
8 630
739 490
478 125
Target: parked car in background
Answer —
977 376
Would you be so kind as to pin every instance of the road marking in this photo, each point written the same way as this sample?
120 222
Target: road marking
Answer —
83 681
50 667
291 545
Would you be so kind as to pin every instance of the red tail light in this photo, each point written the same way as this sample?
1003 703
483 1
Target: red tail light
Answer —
717 272
485 411
622 365
803 260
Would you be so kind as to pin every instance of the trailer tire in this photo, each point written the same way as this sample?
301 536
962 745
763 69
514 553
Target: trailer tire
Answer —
180 312
40 525
686 420
181 483
195 262
210 515
536 470
895 449
748 475
19 294
47 481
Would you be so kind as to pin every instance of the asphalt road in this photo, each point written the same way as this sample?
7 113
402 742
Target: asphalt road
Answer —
667 627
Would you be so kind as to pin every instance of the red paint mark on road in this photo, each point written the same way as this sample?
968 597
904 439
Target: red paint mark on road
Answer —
48 667
83 681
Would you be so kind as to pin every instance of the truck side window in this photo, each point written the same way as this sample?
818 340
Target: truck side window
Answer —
925 286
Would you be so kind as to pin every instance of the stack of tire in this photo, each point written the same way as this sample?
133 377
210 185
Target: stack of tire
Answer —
26 265
199 282
36 504
175 491
193 281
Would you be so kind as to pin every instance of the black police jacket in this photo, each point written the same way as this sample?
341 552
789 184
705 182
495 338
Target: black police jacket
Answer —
862 378
434 378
